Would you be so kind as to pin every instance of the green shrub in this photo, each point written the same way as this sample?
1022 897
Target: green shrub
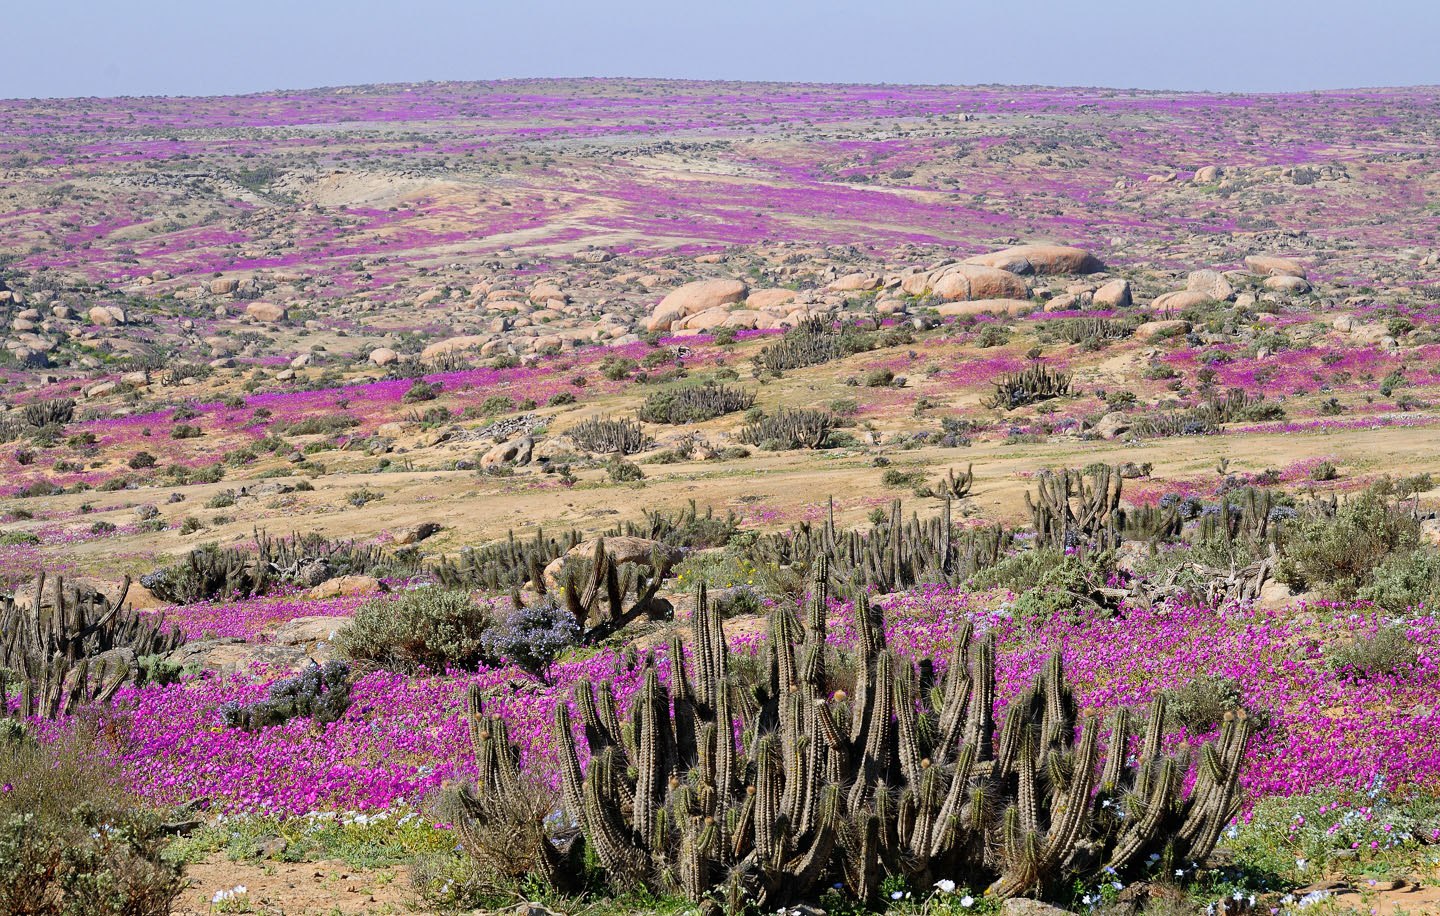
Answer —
72 842
1337 554
1048 582
1388 650
421 390
431 628
622 471
1202 703
1406 581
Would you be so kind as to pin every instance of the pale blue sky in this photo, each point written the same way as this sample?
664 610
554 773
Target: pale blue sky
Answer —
211 47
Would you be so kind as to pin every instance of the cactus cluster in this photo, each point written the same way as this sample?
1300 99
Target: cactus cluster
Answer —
895 554
853 766
952 485
1205 419
505 565
1248 516
1073 508
790 429
211 572
810 343
694 403
1080 330
61 649
51 412
607 436
1036 382
603 595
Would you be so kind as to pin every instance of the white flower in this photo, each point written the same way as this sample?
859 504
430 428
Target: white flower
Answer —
1085 900
1179 872
896 895
946 886
1300 864
1117 885
967 901
240 889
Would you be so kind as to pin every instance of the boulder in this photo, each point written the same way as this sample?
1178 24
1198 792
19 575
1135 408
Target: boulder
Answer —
692 298
1040 259
973 281
1270 266
265 311
223 286
106 316
703 321
1115 294
856 282
516 451
347 587
1169 328
234 656
383 356
1286 283
1208 174
1113 425
1210 282
307 631
1180 299
980 306
417 533
763 299
453 345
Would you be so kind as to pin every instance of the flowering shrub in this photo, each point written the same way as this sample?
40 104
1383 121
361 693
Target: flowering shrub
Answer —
531 636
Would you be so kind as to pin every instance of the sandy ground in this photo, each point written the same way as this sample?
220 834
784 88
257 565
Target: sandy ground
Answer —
297 889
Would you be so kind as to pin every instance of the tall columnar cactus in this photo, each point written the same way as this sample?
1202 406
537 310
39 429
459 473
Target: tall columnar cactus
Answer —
1036 382
902 772
896 554
1073 508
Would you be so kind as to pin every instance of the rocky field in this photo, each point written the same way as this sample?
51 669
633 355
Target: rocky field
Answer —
350 437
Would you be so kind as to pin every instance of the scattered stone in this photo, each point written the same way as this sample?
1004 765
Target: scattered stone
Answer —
1286 283
347 587
417 533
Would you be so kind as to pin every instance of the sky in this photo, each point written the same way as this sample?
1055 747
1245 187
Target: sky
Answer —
58 48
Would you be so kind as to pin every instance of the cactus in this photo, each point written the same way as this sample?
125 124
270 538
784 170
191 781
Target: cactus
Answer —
610 437
810 343
1035 383
74 623
503 816
953 486
1078 508
896 554
790 429
57 646
55 411
903 776
54 687
597 596
694 404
